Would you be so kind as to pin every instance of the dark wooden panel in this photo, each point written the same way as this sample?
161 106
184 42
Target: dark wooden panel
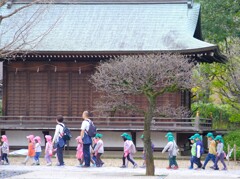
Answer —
59 92
38 93
17 93
59 88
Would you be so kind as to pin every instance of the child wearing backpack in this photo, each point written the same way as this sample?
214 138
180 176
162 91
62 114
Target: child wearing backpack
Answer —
99 150
199 150
48 150
220 153
5 150
31 150
144 153
193 152
211 150
172 152
129 150
79 153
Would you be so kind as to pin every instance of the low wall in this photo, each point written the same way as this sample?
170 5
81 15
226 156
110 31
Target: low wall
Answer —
111 139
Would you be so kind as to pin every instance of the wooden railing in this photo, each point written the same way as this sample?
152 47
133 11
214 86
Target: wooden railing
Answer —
105 123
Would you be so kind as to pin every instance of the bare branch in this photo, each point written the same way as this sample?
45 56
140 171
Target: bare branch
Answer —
17 10
22 39
145 75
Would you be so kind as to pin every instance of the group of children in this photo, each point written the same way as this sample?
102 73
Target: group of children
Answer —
97 149
35 149
215 153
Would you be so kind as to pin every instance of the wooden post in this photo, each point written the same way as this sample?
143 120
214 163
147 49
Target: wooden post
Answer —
228 148
235 153
197 121
211 117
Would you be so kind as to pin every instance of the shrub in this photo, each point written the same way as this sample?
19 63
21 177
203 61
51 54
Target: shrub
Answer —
232 138
220 113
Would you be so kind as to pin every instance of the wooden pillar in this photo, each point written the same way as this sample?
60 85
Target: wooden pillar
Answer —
228 148
45 133
197 121
235 153
133 133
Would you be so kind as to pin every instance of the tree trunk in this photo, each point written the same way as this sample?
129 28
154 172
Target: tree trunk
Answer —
150 170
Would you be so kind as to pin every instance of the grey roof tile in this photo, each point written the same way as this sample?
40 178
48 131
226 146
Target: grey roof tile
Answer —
109 27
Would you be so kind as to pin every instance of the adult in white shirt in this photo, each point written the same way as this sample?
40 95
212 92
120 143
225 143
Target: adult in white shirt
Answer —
86 145
56 139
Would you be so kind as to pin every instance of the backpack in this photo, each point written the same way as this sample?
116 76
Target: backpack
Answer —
66 133
92 131
133 149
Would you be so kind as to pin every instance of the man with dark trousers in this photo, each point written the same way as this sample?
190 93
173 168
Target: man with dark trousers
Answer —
87 141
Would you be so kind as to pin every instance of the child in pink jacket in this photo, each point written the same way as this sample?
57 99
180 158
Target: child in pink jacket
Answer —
48 150
129 150
79 153
5 150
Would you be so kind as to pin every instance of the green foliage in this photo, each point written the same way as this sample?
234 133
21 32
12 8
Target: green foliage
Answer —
235 117
220 19
205 75
232 138
219 113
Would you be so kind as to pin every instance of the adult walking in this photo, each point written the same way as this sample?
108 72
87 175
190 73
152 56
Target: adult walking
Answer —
57 139
87 141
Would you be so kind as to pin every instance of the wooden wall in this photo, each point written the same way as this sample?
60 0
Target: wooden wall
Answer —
52 88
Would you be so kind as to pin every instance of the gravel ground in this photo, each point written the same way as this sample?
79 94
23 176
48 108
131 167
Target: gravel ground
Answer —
117 162
111 166
11 173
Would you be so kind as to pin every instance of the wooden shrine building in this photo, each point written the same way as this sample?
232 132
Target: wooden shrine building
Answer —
55 54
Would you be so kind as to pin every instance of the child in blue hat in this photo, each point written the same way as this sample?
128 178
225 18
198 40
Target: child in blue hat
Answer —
99 150
129 150
211 150
193 152
172 151
220 153
144 153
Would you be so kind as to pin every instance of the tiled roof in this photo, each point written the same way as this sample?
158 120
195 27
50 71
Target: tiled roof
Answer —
109 27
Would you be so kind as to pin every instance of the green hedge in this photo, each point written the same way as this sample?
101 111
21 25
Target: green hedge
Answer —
232 138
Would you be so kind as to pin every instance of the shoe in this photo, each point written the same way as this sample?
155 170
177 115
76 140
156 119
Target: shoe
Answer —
60 165
197 168
135 165
212 167
175 167
224 169
143 166
216 168
123 166
85 166
203 168
190 168
49 164
168 168
94 165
